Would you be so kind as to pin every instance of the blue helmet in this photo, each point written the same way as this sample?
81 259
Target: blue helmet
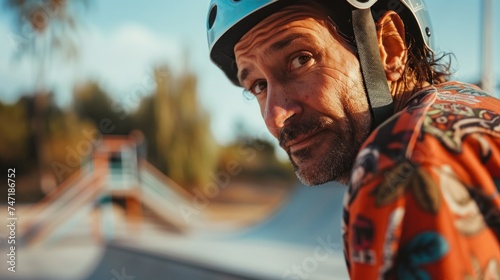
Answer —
229 20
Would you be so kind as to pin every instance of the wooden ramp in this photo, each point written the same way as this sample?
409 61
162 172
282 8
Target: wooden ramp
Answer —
115 171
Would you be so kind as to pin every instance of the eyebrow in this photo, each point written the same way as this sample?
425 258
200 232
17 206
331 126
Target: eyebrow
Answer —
285 42
243 75
275 47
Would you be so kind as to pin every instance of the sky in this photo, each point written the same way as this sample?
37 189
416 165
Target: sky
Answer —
121 41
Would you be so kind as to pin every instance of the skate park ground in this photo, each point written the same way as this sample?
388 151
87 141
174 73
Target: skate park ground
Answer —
275 234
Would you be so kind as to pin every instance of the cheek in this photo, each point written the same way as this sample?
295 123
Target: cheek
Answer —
348 84
337 93
325 93
306 88
343 65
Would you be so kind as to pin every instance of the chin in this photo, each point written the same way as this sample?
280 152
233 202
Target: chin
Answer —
322 172
330 159
314 180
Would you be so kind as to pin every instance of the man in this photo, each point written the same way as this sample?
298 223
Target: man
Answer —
370 106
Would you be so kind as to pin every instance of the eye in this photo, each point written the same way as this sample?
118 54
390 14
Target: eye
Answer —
300 60
258 87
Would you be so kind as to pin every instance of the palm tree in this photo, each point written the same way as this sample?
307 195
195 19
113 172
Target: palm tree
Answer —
44 28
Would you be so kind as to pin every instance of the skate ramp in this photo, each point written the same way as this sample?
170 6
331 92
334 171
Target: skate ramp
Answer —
309 221
309 213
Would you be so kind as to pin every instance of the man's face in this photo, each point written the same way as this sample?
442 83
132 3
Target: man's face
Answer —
308 84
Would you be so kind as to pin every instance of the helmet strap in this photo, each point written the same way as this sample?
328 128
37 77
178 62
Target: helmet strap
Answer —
377 89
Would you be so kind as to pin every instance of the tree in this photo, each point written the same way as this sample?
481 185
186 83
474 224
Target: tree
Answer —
92 103
44 28
177 129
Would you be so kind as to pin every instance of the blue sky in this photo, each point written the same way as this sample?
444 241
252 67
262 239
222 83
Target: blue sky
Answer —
122 40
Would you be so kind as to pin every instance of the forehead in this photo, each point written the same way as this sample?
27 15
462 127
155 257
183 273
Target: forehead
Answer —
296 23
304 18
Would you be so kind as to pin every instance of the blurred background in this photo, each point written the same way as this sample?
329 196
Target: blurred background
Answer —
130 147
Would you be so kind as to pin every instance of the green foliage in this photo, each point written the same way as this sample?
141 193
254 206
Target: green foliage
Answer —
177 130
93 104
15 132
61 129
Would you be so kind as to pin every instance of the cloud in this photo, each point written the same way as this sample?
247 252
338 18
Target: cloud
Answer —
123 57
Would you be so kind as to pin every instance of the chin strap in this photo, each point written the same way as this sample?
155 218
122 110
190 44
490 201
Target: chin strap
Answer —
379 95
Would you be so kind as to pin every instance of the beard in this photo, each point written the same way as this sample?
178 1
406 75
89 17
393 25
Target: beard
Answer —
333 163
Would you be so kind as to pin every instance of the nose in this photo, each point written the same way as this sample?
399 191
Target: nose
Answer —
281 107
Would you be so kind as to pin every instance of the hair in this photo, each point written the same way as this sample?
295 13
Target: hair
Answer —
423 65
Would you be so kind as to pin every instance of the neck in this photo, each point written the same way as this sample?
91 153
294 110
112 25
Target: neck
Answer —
401 93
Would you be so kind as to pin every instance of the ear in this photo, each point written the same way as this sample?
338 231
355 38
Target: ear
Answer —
392 45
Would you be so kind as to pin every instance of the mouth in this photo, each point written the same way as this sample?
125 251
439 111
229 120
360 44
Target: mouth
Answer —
302 141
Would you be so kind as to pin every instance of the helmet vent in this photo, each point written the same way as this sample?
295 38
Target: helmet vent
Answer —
212 16
428 31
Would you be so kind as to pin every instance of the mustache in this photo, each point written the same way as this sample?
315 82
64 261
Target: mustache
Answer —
302 127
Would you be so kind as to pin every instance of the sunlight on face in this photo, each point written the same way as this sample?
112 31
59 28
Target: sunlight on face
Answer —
310 91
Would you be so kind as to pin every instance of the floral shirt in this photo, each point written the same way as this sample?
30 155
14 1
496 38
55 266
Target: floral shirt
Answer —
423 201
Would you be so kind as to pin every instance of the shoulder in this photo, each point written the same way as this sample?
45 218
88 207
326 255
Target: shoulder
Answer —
455 87
437 110
459 111
436 119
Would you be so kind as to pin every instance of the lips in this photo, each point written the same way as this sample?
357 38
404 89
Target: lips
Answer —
300 132
301 141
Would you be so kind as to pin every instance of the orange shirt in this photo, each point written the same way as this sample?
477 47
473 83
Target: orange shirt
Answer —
423 201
